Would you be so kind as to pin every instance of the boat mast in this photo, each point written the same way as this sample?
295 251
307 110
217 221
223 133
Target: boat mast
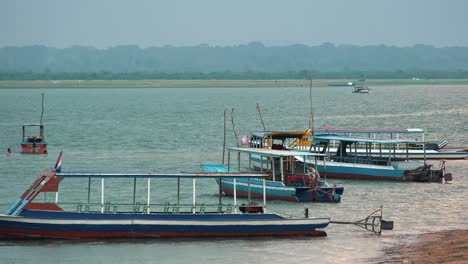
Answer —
42 112
233 127
224 138
261 119
311 121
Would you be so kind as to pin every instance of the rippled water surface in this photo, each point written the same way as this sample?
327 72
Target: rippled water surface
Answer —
177 129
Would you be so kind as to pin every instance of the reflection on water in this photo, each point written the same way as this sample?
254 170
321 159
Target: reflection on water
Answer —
177 129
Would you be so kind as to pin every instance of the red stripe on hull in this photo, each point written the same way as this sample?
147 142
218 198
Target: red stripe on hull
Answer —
20 233
362 177
260 196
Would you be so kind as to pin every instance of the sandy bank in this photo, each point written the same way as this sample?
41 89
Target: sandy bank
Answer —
440 247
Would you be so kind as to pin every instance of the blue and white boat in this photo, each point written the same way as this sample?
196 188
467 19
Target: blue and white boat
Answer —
418 149
30 218
347 163
287 179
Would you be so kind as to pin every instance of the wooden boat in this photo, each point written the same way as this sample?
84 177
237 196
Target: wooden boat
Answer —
287 179
347 163
33 143
418 149
29 217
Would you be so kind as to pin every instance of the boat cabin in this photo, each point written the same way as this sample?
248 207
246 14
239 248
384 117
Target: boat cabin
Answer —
280 140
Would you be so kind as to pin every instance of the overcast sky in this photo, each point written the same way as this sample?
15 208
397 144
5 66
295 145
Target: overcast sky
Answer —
105 23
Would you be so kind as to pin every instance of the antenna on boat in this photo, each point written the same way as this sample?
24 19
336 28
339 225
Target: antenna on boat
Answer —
311 121
224 138
260 114
373 222
42 112
233 127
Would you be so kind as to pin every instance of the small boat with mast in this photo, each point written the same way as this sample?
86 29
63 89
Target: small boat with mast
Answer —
33 142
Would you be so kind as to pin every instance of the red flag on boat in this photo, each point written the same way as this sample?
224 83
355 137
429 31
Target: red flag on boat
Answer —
58 164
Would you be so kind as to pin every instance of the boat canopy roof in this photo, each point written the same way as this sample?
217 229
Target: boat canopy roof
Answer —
211 175
369 130
361 140
281 134
274 152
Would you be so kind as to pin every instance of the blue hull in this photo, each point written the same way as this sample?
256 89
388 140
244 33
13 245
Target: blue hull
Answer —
42 224
275 190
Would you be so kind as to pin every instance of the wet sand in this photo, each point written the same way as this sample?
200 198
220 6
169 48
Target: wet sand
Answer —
440 247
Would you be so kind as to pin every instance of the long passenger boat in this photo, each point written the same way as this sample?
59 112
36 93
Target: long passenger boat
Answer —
29 217
418 149
287 180
346 162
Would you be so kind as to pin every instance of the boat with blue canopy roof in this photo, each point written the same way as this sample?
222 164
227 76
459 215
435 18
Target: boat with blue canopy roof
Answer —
30 217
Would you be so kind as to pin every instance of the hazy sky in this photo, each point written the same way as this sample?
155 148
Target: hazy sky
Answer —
105 23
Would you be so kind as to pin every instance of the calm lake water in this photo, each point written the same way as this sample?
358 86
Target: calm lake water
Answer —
176 129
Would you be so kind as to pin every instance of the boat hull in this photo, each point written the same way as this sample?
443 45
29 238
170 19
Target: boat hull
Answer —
277 191
274 190
417 154
40 224
33 148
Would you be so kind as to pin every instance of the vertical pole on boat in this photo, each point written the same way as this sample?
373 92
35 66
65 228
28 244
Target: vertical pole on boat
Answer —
89 190
282 169
238 161
224 138
235 195
274 167
229 161
424 148
261 164
57 194
220 191
324 168
248 189
102 195
178 191
264 196
304 157
193 195
250 162
134 190
149 196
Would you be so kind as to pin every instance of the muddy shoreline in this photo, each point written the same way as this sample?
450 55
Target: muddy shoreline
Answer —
438 247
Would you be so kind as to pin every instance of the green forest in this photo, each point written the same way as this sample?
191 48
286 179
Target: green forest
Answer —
252 61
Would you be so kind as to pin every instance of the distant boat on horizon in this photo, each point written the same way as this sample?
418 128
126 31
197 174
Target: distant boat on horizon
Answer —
342 84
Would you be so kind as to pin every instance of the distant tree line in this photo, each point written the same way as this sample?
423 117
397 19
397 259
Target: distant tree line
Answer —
227 75
250 61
